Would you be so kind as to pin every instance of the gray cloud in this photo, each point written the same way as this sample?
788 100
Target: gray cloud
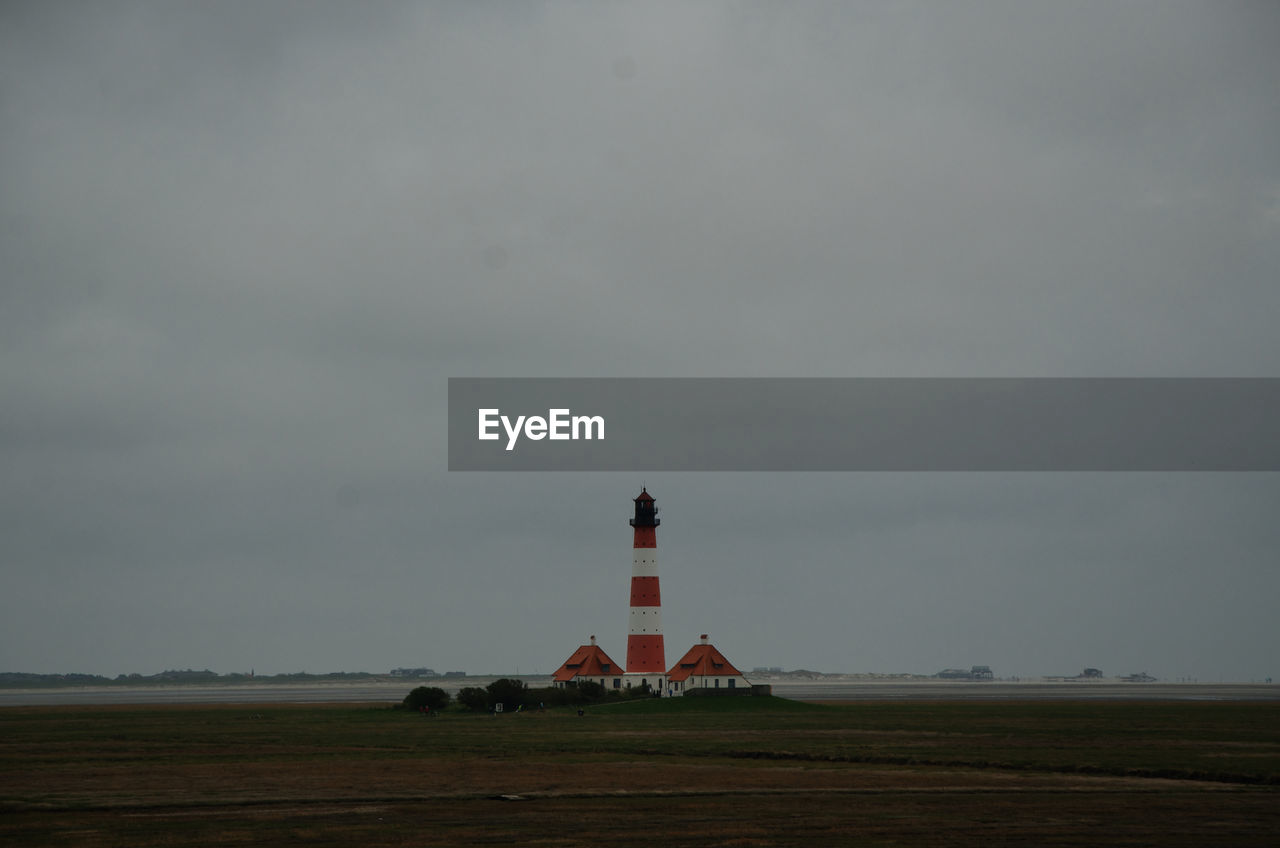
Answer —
246 244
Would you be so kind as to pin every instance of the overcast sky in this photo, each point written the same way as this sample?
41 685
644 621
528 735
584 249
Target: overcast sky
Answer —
243 245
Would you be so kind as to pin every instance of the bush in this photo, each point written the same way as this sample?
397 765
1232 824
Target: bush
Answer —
510 693
426 696
571 694
513 694
589 690
473 698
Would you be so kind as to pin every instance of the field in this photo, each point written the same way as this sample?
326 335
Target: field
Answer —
745 771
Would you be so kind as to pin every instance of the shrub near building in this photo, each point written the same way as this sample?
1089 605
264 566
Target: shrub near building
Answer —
429 697
514 694
473 698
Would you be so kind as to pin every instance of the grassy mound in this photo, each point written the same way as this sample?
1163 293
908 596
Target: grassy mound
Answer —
743 704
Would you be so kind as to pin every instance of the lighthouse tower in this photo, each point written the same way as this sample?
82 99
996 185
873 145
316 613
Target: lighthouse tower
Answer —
646 658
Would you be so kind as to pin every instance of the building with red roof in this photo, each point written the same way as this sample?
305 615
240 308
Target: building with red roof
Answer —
590 663
704 667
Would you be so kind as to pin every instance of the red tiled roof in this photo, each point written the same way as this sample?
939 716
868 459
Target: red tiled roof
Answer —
702 660
588 661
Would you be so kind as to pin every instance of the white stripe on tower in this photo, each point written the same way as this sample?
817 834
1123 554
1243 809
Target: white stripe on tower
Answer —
645 652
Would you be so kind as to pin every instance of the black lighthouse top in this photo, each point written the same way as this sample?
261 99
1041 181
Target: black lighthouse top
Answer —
646 512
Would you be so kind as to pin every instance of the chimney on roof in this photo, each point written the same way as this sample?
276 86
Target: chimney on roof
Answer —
593 638
704 638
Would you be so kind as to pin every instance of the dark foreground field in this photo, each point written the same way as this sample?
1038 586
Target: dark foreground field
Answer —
746 771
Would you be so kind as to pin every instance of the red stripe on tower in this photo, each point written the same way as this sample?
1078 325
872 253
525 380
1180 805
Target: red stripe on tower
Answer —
645 653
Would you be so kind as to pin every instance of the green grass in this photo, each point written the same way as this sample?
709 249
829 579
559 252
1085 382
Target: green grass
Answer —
1237 742
951 773
739 705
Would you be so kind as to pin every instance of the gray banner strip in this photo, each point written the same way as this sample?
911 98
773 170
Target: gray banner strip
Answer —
864 424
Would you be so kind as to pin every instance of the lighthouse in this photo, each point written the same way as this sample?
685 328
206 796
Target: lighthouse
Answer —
646 658
703 670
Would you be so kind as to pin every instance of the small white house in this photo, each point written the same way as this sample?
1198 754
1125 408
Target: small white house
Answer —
704 667
590 663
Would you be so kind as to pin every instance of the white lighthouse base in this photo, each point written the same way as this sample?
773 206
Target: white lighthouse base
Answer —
657 681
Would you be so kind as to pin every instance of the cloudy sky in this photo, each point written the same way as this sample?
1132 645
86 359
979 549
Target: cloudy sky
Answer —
244 245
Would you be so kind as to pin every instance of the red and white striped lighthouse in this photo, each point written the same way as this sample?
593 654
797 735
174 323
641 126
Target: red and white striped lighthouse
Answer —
645 653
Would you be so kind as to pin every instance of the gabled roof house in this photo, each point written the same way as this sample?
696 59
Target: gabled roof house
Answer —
591 663
704 667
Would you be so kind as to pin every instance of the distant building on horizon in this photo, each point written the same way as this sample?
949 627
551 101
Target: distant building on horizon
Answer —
413 672
977 672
